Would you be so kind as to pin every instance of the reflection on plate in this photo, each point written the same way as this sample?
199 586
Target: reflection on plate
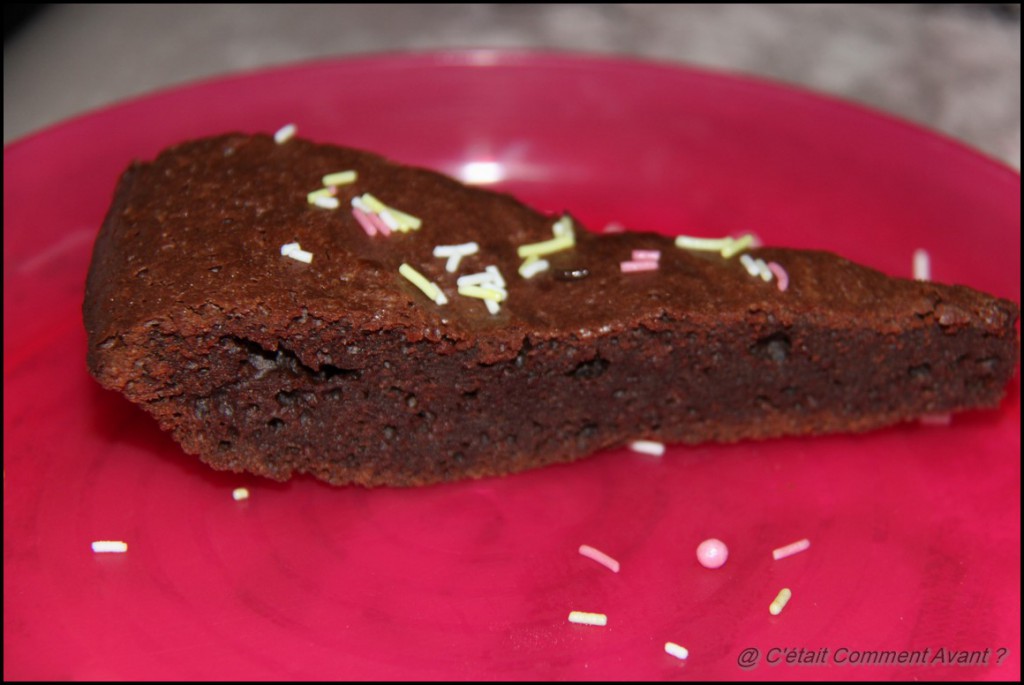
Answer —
477 579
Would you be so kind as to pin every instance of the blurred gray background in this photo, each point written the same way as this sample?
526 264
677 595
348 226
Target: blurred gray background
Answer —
952 68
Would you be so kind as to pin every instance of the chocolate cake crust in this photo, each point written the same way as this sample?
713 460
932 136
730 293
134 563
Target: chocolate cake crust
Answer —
344 369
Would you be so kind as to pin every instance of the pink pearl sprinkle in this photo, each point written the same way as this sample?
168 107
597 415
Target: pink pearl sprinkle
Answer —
646 255
365 222
712 553
642 265
780 274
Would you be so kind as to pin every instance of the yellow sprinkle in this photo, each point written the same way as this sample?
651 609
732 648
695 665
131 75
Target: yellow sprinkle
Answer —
780 601
373 203
483 293
340 178
546 247
738 245
320 194
421 282
726 246
562 227
406 219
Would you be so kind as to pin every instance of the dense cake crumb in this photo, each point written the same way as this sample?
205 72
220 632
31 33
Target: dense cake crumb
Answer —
202 307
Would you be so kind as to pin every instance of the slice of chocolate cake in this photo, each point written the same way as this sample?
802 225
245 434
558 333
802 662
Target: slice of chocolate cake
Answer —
388 325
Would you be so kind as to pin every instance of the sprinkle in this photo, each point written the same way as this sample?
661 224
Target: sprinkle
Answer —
455 253
533 266
239 494
614 227
379 223
922 265
294 251
587 618
780 601
327 202
546 247
646 255
373 204
780 275
632 267
322 192
678 651
285 133
492 306
712 553
364 221
421 282
405 219
297 253
937 419
600 557
727 247
483 292
564 238
756 267
109 547
562 227
791 549
655 449
490 275
340 178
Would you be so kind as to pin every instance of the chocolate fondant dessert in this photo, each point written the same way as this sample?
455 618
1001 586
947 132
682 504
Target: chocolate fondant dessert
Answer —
388 325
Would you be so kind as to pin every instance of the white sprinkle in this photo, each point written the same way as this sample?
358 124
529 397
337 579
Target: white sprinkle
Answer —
326 202
285 133
464 250
533 266
756 267
600 557
301 256
492 306
655 449
358 203
239 494
678 651
455 253
587 618
490 276
748 263
791 549
390 221
109 546
922 265
288 248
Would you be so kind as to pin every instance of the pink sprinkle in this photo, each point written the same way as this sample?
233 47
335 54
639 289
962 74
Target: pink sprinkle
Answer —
936 419
384 229
614 227
646 255
643 265
365 222
600 557
712 553
780 274
791 549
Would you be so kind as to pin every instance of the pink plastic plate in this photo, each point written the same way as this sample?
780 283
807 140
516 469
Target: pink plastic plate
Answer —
914 530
